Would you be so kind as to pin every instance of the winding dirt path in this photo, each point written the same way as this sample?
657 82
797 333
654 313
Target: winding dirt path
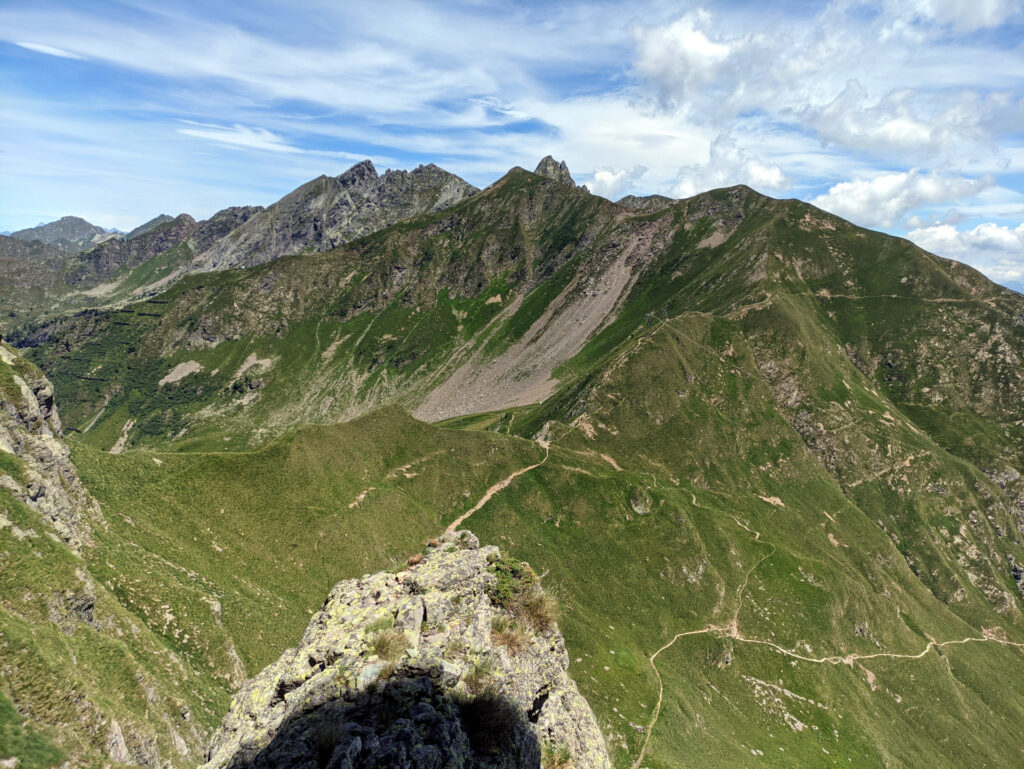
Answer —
732 631
502 484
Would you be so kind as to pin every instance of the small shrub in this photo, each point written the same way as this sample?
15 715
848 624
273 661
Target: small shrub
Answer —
507 633
490 720
555 757
389 644
513 579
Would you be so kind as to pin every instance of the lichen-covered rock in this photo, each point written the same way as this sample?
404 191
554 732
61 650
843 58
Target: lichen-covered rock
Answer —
30 430
413 670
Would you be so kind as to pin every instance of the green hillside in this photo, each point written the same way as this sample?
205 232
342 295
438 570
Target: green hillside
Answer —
767 460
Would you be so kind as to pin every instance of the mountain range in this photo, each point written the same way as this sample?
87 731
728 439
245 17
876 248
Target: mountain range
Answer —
769 463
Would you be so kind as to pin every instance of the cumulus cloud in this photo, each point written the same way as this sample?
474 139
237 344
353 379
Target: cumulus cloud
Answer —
903 81
609 183
884 201
996 250
711 74
729 164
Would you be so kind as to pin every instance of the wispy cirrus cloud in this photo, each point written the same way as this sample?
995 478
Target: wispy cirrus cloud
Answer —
49 50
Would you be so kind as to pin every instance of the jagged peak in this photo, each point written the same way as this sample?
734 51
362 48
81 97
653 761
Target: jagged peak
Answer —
360 172
555 169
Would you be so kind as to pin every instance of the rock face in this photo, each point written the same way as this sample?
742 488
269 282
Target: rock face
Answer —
329 211
30 430
556 170
424 668
102 261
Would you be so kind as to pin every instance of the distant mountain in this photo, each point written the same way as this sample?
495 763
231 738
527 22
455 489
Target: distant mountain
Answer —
72 233
29 271
646 203
319 215
142 229
101 262
331 210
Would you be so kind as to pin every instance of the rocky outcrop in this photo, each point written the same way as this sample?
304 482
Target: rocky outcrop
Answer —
331 210
556 170
435 666
30 431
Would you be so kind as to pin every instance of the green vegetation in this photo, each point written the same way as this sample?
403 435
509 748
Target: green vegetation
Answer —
33 750
785 465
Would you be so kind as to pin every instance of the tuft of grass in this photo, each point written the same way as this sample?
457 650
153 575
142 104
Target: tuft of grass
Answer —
479 677
537 609
389 644
555 756
509 634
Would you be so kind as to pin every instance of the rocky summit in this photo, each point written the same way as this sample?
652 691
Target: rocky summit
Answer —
555 169
453 662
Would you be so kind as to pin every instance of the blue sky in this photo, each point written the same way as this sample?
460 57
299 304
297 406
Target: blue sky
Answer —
901 115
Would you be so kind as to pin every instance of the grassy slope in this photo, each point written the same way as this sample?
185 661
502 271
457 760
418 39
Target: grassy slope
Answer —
266 534
347 331
706 453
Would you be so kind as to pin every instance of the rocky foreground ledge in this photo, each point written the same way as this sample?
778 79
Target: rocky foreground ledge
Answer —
454 662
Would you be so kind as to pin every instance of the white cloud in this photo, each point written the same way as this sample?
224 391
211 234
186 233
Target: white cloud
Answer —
696 67
884 200
961 15
239 136
727 165
49 50
996 250
609 183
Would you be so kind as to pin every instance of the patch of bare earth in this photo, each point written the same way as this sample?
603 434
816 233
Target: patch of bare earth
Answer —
180 371
522 374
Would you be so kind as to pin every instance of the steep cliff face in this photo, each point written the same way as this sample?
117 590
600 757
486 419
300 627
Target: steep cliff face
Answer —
103 261
329 211
453 662
91 681
30 436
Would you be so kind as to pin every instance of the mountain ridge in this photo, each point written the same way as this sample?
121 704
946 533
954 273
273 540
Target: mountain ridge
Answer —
770 461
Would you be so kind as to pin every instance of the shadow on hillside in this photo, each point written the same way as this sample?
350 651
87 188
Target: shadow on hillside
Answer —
407 721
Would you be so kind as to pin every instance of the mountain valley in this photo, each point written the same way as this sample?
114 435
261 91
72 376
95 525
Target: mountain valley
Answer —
768 462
